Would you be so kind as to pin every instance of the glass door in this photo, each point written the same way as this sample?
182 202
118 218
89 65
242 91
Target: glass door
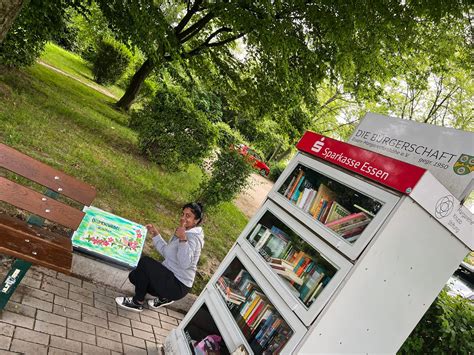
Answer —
343 209
204 330
305 270
254 306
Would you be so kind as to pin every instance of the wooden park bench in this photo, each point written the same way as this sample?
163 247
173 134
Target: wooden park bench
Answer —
28 241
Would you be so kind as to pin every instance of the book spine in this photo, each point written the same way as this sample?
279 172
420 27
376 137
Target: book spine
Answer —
289 186
290 194
345 219
297 192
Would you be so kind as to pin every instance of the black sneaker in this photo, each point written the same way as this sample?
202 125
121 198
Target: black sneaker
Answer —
129 304
159 302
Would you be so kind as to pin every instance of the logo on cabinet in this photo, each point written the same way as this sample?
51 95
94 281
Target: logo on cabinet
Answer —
318 145
464 165
444 206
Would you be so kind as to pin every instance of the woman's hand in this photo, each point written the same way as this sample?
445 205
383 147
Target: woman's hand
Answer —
152 230
180 232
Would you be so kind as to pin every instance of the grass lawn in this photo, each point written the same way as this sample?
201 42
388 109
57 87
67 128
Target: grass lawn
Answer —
74 128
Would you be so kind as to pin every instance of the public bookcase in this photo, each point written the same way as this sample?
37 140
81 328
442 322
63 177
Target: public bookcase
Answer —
346 254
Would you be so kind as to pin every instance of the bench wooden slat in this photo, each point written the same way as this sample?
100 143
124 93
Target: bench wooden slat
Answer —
45 175
30 200
16 224
36 250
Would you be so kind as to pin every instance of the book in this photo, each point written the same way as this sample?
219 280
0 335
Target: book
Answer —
288 274
324 193
308 288
336 211
250 303
347 220
326 211
267 310
304 197
345 228
254 234
274 246
297 180
309 200
297 191
313 295
256 311
289 186
261 241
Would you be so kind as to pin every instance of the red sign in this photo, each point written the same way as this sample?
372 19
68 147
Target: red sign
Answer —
387 171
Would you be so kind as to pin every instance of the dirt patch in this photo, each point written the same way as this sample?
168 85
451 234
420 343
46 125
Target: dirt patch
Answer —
250 200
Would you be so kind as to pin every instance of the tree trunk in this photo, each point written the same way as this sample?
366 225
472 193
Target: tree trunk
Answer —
135 84
9 10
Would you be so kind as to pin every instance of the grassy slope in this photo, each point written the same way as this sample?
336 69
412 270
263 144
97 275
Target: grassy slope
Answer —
73 64
74 128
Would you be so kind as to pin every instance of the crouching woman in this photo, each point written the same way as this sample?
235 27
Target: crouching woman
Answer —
173 278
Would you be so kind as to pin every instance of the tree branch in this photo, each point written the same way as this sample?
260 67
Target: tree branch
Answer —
192 30
184 21
206 43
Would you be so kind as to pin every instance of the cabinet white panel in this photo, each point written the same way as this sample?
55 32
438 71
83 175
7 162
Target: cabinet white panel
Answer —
342 208
390 288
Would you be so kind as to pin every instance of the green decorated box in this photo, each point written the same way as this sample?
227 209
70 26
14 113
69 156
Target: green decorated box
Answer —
110 237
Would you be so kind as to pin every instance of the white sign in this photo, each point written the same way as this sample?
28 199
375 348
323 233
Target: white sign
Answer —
446 152
443 206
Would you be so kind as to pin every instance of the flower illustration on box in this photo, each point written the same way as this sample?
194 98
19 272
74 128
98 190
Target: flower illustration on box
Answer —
111 237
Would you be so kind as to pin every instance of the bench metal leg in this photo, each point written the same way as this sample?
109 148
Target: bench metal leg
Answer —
20 267
13 279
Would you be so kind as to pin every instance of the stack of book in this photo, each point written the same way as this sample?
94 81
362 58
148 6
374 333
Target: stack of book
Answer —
351 226
229 292
268 242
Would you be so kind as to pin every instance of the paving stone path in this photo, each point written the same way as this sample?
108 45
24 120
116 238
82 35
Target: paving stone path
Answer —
52 313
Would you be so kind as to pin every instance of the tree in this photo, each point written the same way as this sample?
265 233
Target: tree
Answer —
432 86
291 46
9 10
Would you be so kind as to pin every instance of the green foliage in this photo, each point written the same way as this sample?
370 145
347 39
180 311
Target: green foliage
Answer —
172 132
276 170
35 25
229 171
446 328
110 62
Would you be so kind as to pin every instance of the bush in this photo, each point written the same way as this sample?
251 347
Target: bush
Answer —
172 132
35 25
110 62
229 171
276 171
446 328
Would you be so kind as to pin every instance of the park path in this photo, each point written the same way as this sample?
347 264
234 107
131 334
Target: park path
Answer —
92 85
250 200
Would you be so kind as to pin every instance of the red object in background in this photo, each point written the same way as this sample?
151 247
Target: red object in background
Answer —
387 171
254 159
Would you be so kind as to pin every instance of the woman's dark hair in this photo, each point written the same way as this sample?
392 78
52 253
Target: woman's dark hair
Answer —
197 208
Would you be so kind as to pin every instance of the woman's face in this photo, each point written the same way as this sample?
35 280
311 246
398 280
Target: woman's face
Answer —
188 219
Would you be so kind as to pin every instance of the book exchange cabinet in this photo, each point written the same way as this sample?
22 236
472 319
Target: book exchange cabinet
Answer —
345 255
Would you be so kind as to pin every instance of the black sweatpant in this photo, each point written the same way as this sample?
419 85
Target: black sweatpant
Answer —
150 276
